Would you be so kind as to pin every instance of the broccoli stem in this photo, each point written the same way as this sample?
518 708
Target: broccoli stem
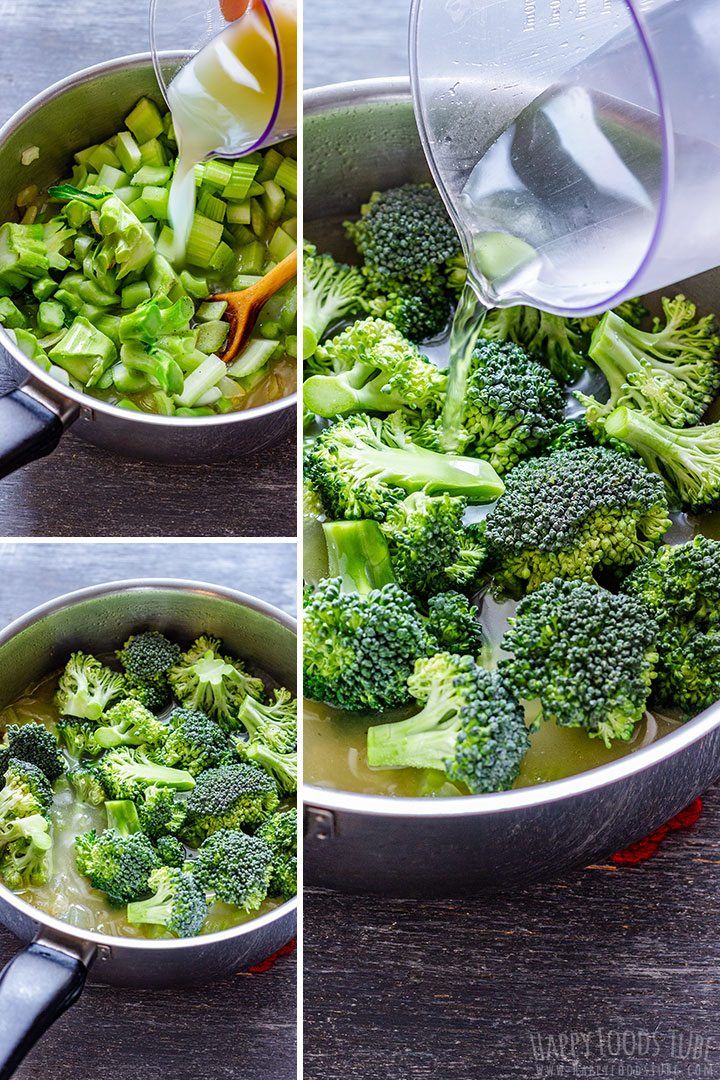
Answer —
423 741
416 469
336 395
122 816
358 553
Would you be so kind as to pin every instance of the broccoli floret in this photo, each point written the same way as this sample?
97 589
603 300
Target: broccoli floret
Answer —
688 460
115 864
471 726
160 812
430 548
126 772
557 343
216 685
331 291
671 374
178 903
27 858
235 867
130 724
36 744
280 833
232 796
513 406
148 657
589 656
361 640
362 465
27 791
78 735
681 586
281 765
86 785
86 688
196 742
572 514
404 235
275 724
419 311
452 624
171 851
370 366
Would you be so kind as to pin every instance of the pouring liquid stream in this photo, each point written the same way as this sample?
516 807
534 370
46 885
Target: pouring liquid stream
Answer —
466 327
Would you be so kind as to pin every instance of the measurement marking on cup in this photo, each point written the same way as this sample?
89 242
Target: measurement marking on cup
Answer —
529 15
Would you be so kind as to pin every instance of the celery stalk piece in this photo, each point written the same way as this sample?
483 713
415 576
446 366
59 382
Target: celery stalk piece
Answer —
212 207
211 310
84 351
11 316
238 186
152 175
209 397
196 287
281 245
102 155
125 403
50 317
286 176
205 235
28 344
129 380
217 175
43 288
134 295
199 381
254 356
222 257
23 254
110 177
152 153
238 213
211 336
145 121
128 152
133 247
273 201
157 199
251 258
272 160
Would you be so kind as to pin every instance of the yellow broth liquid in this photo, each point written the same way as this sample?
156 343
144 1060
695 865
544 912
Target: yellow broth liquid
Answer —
68 895
335 742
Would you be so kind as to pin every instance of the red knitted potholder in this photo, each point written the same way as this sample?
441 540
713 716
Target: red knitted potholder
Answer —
265 965
643 849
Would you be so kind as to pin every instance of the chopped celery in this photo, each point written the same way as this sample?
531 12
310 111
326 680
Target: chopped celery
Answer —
145 121
281 245
50 316
133 295
254 356
153 175
211 336
199 381
128 152
10 314
205 235
286 176
251 258
91 294
126 403
211 310
238 213
273 201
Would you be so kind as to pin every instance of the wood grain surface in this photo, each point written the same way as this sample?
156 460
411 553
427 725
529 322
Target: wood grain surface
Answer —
599 973
243 1028
80 490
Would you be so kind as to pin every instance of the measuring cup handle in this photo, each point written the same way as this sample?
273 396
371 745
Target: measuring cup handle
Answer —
36 987
29 429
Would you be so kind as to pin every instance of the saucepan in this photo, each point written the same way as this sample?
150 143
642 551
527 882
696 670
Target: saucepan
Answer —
78 111
49 973
360 137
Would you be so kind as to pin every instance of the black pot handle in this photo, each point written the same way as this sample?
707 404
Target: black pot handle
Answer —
36 987
29 428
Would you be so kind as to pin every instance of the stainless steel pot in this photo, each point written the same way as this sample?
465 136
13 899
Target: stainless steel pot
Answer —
359 137
77 112
48 975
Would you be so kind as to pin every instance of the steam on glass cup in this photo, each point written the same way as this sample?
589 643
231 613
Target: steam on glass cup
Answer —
236 91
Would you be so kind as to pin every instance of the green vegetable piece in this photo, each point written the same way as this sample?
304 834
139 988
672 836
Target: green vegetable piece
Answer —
145 121
85 352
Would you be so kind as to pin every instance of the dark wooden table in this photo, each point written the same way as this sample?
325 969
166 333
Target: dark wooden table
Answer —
243 1028
494 988
80 490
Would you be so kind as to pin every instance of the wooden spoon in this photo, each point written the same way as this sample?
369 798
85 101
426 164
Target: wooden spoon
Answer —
243 306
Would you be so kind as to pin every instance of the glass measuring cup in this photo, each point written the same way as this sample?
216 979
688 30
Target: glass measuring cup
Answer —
576 145
200 30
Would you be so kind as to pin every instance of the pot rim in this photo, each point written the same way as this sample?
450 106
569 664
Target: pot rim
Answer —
36 103
347 95
64 931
